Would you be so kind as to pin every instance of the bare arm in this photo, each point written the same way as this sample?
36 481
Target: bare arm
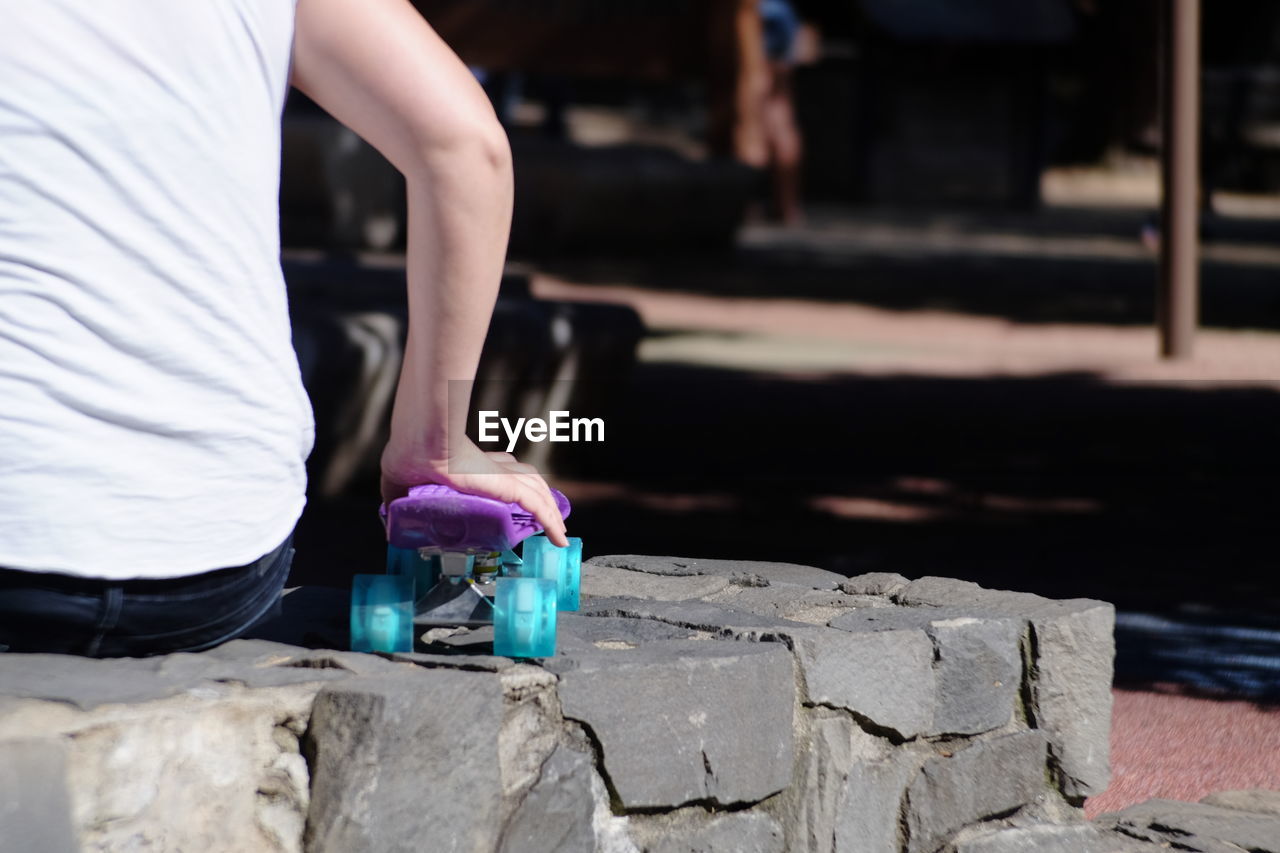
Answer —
379 68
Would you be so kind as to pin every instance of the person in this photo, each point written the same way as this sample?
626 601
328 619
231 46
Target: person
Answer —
783 141
153 426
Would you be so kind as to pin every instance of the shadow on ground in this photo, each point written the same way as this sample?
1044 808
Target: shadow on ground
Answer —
1083 266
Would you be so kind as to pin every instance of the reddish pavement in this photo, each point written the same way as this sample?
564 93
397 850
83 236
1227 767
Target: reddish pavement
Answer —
1181 747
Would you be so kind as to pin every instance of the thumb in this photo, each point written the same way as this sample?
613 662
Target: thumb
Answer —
391 490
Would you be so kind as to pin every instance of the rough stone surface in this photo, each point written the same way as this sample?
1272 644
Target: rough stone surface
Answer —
1258 801
1197 826
812 606
978 662
772 573
884 677
949 592
556 813
874 583
531 727
380 747
979 668
1073 648
35 810
606 632
87 683
474 663
811 805
1077 838
681 722
603 580
693 831
216 768
987 779
696 615
871 802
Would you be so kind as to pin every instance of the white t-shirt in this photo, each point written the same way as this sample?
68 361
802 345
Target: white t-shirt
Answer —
153 421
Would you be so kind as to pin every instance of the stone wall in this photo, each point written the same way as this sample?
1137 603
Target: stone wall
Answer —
694 705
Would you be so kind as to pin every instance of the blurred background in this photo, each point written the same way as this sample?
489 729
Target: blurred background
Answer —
869 285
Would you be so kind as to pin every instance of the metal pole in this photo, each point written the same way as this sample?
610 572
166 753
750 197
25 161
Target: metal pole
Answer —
1178 298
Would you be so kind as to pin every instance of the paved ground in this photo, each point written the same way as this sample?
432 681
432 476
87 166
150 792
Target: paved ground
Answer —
1181 747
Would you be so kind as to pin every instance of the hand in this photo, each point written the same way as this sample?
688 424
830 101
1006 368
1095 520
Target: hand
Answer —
474 471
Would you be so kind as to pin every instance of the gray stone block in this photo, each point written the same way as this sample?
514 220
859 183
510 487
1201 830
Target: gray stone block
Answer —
810 806
692 831
1258 800
681 722
616 632
884 677
1197 826
949 592
874 583
979 667
1073 644
399 762
774 573
695 615
216 768
810 606
988 779
1074 657
1075 838
35 810
87 683
871 803
356 663
473 662
599 579
977 661
556 814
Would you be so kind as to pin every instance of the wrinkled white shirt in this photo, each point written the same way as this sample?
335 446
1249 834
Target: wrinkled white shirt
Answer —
153 421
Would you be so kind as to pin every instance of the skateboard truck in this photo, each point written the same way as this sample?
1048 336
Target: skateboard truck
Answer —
450 562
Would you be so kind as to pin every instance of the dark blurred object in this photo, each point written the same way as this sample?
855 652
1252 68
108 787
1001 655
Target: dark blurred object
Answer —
946 99
655 39
349 326
716 41
336 190
997 23
1241 96
624 197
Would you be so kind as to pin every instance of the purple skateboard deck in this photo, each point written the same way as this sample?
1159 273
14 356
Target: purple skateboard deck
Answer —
435 516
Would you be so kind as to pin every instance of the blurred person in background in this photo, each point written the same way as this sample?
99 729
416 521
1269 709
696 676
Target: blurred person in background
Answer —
154 427
788 41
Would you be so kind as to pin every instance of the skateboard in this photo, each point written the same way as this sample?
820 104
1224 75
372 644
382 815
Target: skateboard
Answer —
451 562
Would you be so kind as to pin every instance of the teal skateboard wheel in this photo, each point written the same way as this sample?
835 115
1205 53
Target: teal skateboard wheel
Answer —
524 618
382 613
425 571
562 565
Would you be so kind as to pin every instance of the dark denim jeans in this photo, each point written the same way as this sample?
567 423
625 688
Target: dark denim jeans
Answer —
42 612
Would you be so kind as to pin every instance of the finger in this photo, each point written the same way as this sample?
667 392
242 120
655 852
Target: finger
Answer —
392 490
499 456
538 501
